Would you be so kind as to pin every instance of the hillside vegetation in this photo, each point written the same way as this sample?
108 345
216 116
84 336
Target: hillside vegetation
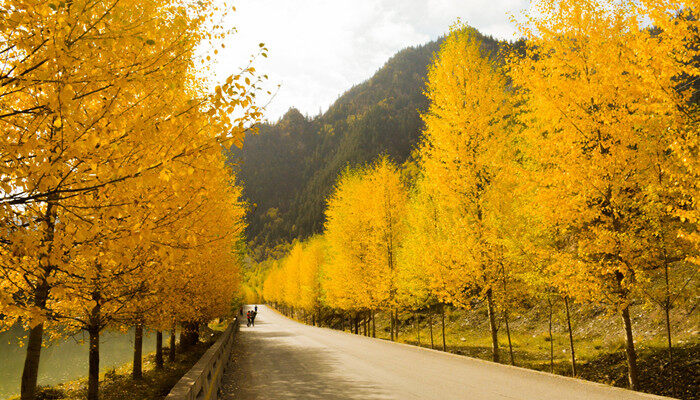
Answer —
289 168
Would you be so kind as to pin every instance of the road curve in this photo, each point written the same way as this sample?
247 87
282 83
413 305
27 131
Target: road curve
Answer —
283 359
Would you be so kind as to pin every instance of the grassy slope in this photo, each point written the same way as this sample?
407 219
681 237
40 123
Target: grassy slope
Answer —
598 340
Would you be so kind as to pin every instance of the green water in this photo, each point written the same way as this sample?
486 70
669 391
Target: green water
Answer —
65 359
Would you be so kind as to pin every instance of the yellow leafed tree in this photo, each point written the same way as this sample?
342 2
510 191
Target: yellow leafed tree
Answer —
602 112
467 129
364 231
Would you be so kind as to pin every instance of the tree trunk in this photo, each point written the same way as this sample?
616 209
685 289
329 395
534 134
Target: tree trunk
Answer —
357 324
629 350
444 343
510 344
396 323
571 337
30 372
159 350
94 351
667 315
368 322
551 339
415 318
94 364
365 324
391 325
430 325
492 324
31 362
137 370
171 350
374 327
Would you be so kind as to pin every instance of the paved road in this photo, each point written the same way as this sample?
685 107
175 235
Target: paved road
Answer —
282 359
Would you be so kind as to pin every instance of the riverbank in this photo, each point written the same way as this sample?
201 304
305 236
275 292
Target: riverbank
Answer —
64 358
117 384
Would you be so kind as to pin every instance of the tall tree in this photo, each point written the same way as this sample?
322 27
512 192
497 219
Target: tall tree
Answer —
467 127
364 231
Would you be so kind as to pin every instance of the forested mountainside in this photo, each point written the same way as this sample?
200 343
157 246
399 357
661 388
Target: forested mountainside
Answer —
290 167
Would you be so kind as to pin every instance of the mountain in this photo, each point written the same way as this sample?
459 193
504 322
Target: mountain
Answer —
290 167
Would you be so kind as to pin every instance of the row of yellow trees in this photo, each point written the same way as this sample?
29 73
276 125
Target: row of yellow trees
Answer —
566 165
117 209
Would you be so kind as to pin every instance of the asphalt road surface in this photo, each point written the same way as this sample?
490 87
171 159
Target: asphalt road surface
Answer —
283 359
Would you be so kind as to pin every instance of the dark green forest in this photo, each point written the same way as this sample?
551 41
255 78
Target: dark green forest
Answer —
289 168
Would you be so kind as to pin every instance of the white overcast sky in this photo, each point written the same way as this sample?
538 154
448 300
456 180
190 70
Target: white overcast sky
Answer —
320 48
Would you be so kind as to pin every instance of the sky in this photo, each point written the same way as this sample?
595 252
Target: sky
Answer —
318 49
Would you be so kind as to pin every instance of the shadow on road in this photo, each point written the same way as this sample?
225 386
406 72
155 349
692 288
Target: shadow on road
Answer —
272 365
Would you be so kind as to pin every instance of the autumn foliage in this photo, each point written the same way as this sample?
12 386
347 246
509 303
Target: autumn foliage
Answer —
116 206
563 167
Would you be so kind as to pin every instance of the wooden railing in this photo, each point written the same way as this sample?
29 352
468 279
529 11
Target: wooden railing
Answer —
203 381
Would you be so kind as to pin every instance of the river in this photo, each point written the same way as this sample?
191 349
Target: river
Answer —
65 359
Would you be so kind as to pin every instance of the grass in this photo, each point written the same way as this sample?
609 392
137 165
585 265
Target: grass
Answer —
598 341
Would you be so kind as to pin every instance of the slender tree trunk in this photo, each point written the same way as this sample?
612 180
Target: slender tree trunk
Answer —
374 327
94 363
510 344
171 350
506 304
492 324
94 351
430 325
629 350
551 339
357 324
415 318
391 327
30 372
442 311
571 337
396 323
365 324
137 370
31 362
159 349
667 314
